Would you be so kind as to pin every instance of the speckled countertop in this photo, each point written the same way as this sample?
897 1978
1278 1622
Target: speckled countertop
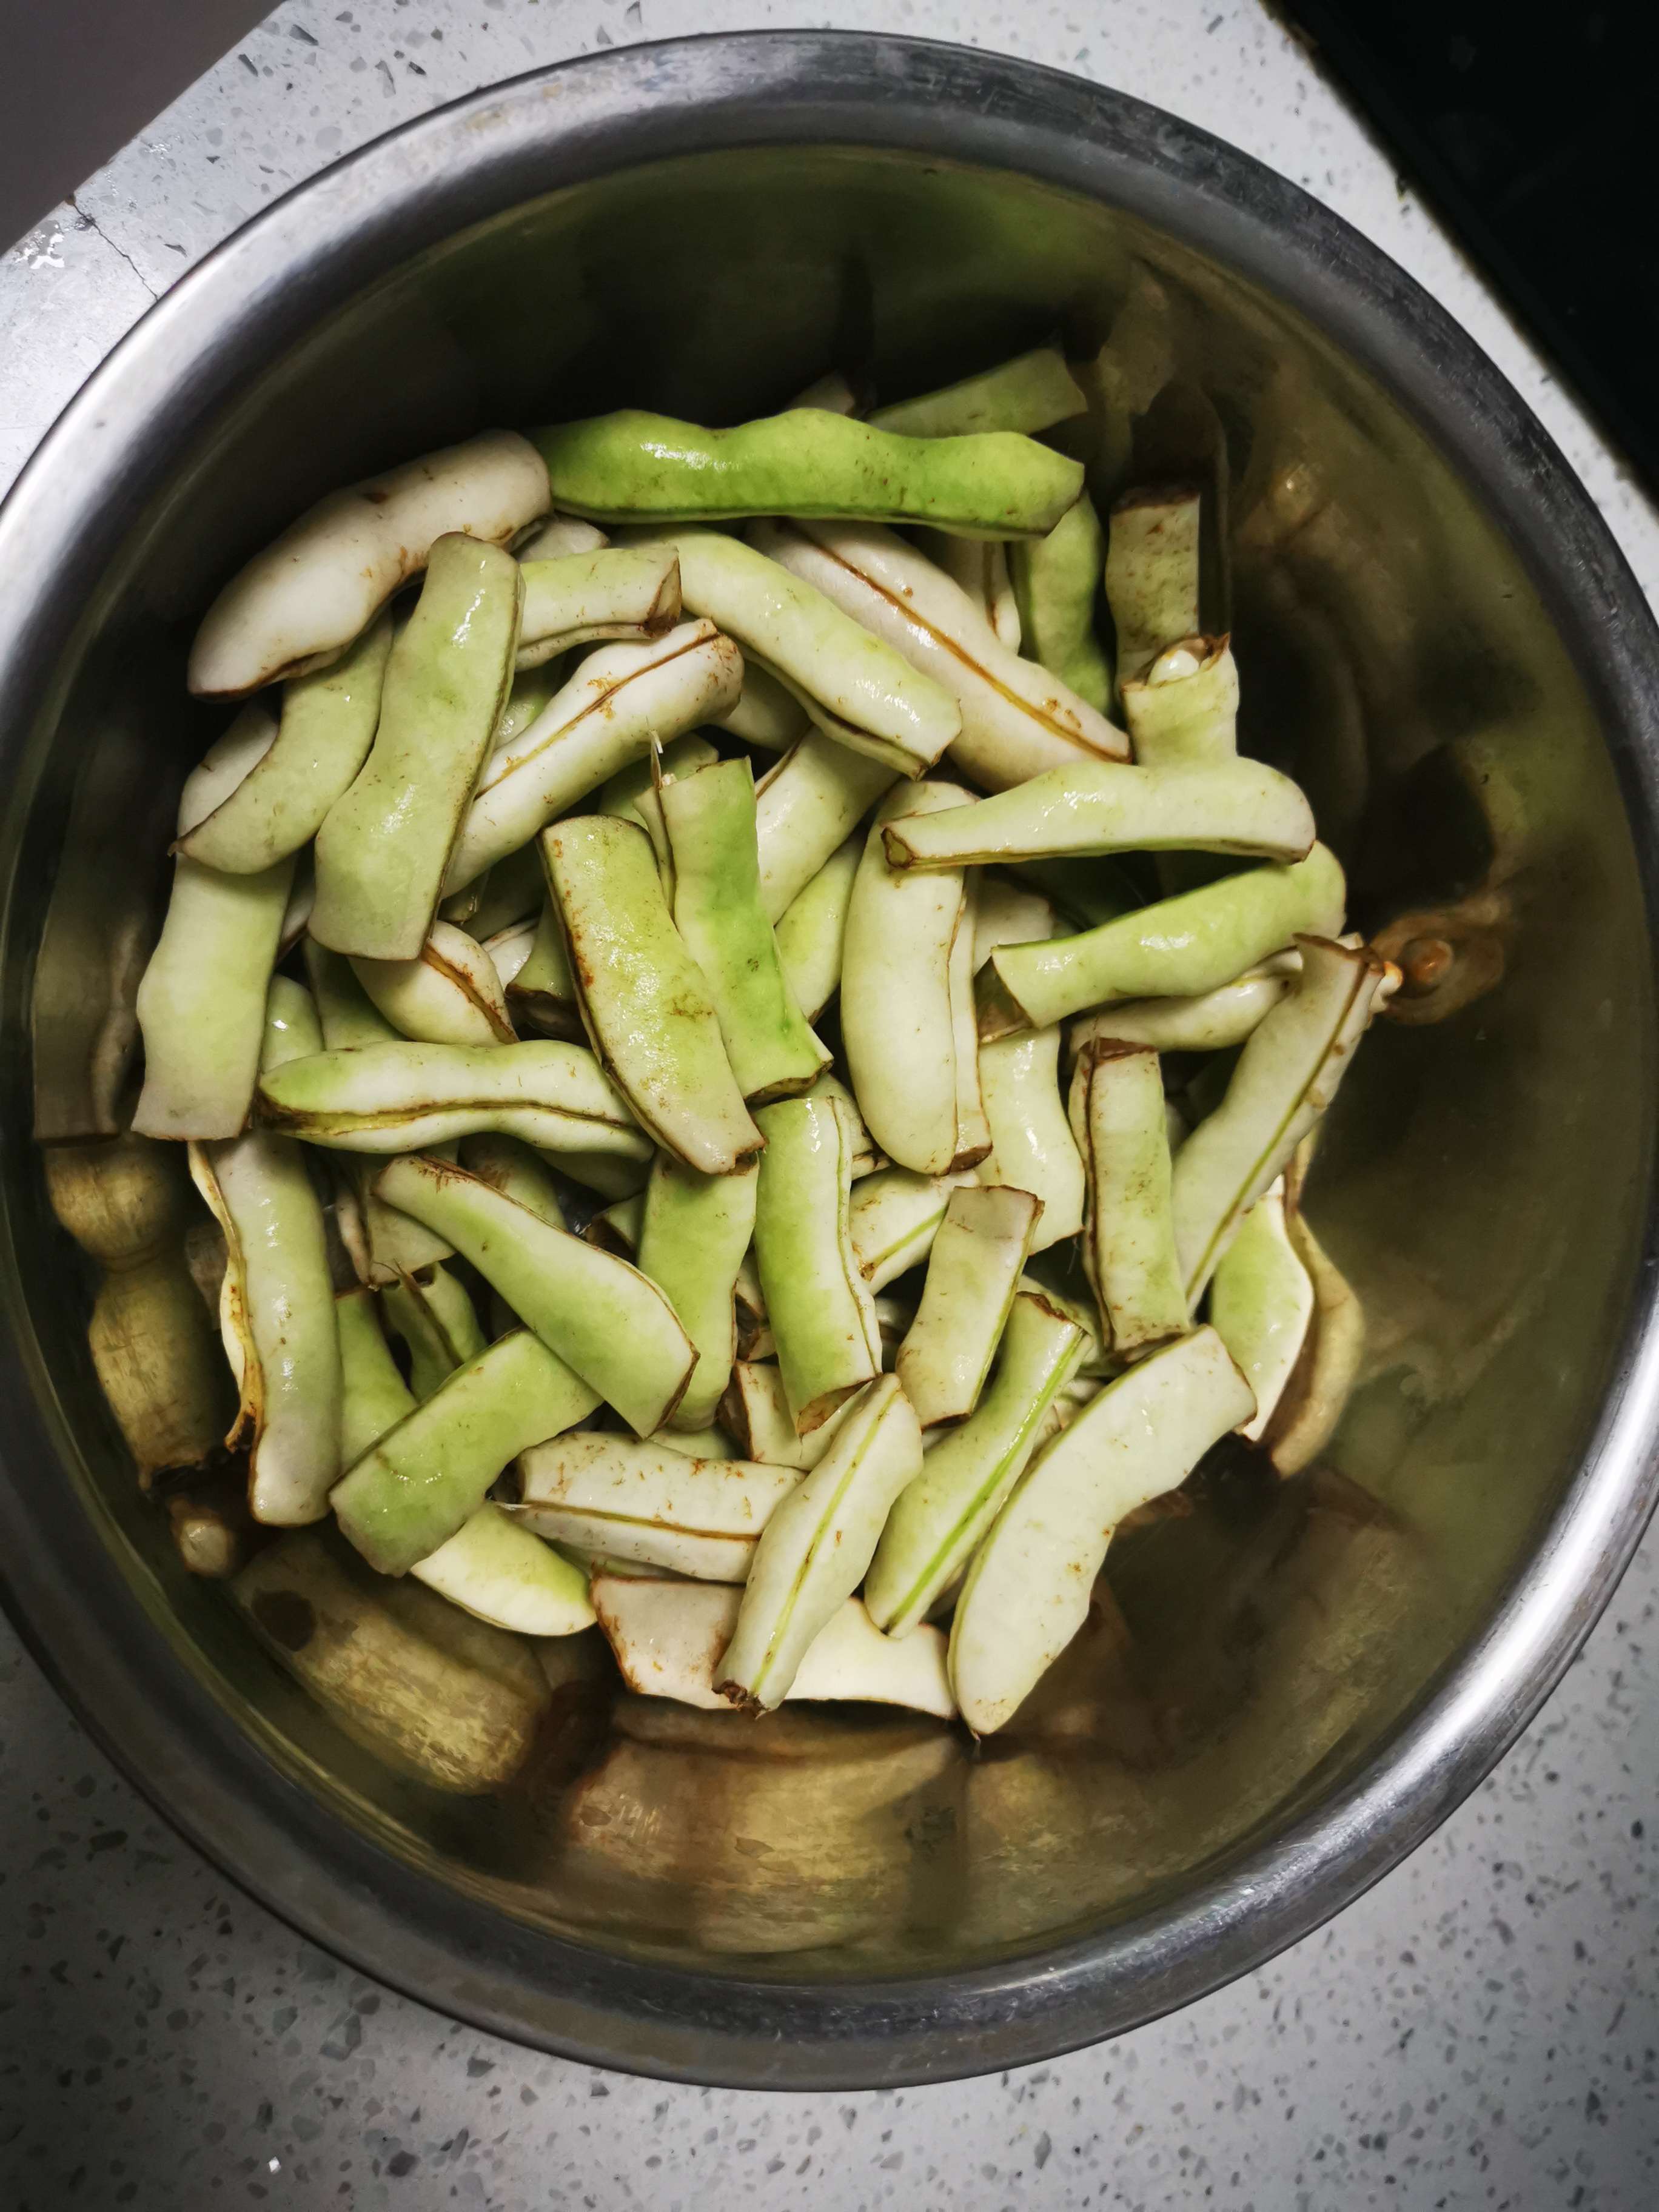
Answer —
1481 2029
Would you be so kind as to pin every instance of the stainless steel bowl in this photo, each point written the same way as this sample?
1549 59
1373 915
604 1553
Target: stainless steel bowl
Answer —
1435 630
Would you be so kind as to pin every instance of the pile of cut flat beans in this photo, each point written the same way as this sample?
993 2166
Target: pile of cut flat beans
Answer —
669 988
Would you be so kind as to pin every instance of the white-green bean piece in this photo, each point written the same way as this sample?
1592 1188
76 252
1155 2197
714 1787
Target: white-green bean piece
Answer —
384 847
1057 582
832 392
893 1217
612 1175
815 1548
1032 1147
374 1396
1031 392
809 933
449 993
1008 912
666 1635
300 604
1178 948
201 1004
512 891
623 1500
867 1159
1286 1077
404 1096
755 1410
419 1482
327 726
622 793
766 714
620 699
643 1000
1152 573
816 1300
1027 1592
696 1443
804 807
1212 1022
631 466
526 702
517 1169
710 821
578 599
498 1570
1323 1377
898 1011
979 569
615 1228
1262 1301
694 1230
1018 719
973 1129
1185 709
1225 806
276 1303
603 1318
755 1340
349 1017
434 1319
560 536
973 1273
541 991
937 1524
1129 1240
856 688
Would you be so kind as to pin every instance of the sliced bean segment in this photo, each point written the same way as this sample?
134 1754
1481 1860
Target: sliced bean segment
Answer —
816 1302
449 993
541 991
667 1637
606 1321
373 1395
1031 392
1027 1591
1129 1240
497 1570
618 701
937 1524
973 1273
421 1481
1180 947
1032 1147
349 1018
893 1217
814 1550
1056 581
1008 912
383 850
559 536
302 602
1262 1303
1018 719
694 1230
511 891
399 1096
1320 1383
644 1001
979 569
632 467
710 819
518 1170
434 1318
1209 1023
811 928
1185 709
1152 574
766 714
645 1502
1286 1077
804 808
577 598
756 1410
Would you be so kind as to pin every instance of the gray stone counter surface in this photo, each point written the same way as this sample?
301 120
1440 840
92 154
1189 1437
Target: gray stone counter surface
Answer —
1481 2029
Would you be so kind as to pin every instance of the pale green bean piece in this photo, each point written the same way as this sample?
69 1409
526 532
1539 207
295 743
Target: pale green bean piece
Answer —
694 1230
517 1169
1031 392
541 992
1129 1239
893 1217
1210 1023
1152 574
1057 582
511 891
804 807
496 1569
1261 1305
973 1273
756 1411
578 599
1323 1378
373 1395
560 536
645 1502
449 993
1032 1147
432 1316
816 1302
637 467
1185 709
349 1017
526 702
621 794
810 931
766 714
1008 912
865 1157
979 569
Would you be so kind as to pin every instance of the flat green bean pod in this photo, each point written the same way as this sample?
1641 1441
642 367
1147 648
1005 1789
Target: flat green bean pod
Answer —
694 1230
1008 912
1286 1077
1262 1303
641 1501
1323 1377
755 1410
766 714
898 1013
1032 1147
434 1319
1212 1022
517 1169
1179 948
401 1096
893 1217
866 1158
710 821
420 1481
603 1318
619 700
973 1273
383 850
615 1228
1152 574
1056 581
349 1017
1129 1239
373 1395
300 602
1031 392
644 1001
276 1303
449 993
804 809
577 598
1185 709
541 991
973 1129
937 1524
327 726
512 891
559 536
1027 1592
859 691
816 1302
666 1635
1018 719
979 569
498 1570
810 931
815 1548
636 467
526 702
622 793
